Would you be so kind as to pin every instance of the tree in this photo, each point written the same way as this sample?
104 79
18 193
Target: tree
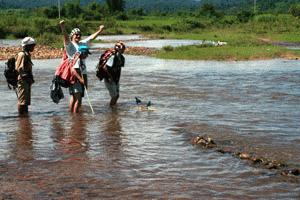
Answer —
116 5
295 10
209 10
51 12
244 16
72 9
95 11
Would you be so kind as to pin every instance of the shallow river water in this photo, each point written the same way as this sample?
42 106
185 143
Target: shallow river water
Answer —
126 153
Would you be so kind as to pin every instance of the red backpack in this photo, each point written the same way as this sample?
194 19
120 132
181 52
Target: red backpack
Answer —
64 74
101 73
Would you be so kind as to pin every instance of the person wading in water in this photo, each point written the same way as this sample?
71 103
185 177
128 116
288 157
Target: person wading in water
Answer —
72 44
25 77
113 69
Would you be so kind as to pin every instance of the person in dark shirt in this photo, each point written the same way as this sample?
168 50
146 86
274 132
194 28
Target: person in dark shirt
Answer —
113 67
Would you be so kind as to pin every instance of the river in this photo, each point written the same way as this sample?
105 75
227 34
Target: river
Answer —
126 153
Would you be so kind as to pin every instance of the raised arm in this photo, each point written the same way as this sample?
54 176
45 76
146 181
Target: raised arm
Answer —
63 30
94 35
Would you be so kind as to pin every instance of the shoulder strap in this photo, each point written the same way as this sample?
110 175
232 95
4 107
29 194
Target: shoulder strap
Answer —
105 59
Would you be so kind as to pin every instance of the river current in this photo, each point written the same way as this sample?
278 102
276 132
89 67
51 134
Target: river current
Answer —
128 153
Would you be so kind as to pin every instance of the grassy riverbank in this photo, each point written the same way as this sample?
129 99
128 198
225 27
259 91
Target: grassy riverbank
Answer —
240 46
256 37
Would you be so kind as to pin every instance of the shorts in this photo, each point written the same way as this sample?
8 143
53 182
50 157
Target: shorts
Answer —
24 92
113 88
77 88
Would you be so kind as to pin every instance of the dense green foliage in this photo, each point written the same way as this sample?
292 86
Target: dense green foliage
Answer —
244 30
19 23
116 5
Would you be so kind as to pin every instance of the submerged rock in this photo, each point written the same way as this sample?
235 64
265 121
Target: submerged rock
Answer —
257 160
206 142
291 172
274 164
244 156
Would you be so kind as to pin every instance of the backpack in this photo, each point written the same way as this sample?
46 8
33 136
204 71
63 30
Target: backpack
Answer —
56 92
11 74
100 72
64 75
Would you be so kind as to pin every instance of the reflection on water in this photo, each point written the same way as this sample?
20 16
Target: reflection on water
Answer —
73 139
128 153
112 137
24 148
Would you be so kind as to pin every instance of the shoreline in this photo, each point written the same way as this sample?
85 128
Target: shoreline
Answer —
40 52
46 52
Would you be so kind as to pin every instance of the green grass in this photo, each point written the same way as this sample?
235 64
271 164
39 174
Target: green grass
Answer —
244 39
222 52
287 37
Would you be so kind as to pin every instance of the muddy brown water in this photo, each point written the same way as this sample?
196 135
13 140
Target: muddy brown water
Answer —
125 153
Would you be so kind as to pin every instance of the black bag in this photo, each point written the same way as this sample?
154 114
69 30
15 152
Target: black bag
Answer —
56 92
10 73
62 82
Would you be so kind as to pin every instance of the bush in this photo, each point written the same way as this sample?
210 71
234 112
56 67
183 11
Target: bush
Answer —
244 16
50 39
228 20
295 10
40 24
145 28
20 31
188 24
137 12
168 48
192 23
266 18
210 11
3 32
122 16
51 12
167 28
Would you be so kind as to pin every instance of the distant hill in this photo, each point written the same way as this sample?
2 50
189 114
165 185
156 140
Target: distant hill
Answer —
167 5
261 5
146 4
163 5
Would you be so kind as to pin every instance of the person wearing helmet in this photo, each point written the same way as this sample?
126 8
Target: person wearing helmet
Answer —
72 43
25 77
